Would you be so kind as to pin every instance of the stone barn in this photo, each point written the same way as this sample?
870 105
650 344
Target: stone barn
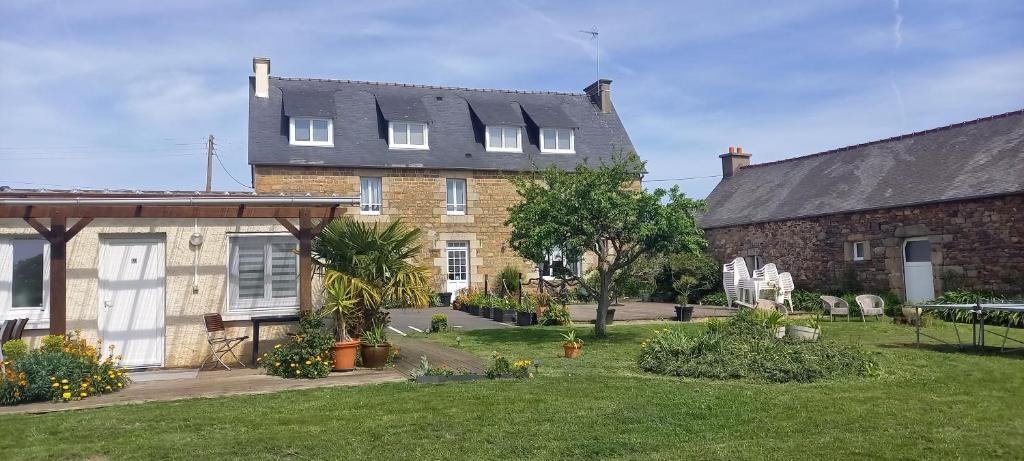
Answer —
914 215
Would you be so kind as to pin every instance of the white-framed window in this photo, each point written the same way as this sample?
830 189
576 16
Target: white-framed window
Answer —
860 251
504 139
456 188
407 135
369 195
557 140
263 272
556 261
25 279
306 131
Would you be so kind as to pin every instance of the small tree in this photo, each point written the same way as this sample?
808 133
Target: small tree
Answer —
601 211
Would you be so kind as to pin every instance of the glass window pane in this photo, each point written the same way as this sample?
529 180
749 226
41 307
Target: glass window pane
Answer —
416 134
369 192
548 138
28 273
511 138
283 270
301 129
251 269
563 139
918 251
495 135
320 130
401 134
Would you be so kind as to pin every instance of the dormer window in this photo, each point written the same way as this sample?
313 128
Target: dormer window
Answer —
504 139
406 135
305 131
557 140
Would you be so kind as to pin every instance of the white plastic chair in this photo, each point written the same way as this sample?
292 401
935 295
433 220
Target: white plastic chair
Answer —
871 305
732 275
768 272
786 288
836 306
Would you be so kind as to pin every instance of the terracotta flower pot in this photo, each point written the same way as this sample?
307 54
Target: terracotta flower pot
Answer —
345 355
572 351
375 356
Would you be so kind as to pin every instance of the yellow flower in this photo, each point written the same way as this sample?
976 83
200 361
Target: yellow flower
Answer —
55 385
63 381
277 346
308 362
277 364
66 395
66 387
120 385
83 394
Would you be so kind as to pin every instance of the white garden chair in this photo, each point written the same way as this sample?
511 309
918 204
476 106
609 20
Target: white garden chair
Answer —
732 275
769 272
836 306
871 305
786 288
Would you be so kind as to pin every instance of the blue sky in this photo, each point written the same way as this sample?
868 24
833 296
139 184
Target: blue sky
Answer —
122 94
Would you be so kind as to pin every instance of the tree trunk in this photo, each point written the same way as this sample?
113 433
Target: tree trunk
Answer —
603 302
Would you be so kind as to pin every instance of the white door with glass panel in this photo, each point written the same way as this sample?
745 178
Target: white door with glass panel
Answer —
131 310
917 269
458 266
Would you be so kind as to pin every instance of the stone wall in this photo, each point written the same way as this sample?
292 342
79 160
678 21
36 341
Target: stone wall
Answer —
976 244
418 198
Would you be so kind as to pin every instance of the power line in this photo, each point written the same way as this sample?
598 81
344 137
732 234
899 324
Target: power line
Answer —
683 179
228 172
45 184
22 156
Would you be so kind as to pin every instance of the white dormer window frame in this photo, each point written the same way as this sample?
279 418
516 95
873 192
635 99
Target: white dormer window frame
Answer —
505 138
310 141
408 135
559 134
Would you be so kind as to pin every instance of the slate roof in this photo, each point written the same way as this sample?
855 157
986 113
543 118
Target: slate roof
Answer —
979 158
361 111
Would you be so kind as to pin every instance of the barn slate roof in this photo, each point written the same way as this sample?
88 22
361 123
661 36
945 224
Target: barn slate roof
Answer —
361 111
978 158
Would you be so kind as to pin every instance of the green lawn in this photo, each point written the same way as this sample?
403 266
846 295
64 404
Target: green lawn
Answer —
927 404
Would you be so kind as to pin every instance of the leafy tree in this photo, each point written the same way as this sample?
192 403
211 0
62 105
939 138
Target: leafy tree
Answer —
600 210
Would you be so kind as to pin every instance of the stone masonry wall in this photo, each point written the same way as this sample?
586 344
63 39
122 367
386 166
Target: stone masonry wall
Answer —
976 244
418 198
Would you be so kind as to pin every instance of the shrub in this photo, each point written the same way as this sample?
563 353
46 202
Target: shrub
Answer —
555 314
438 323
425 369
508 281
742 348
714 299
307 355
501 367
62 369
1014 319
14 349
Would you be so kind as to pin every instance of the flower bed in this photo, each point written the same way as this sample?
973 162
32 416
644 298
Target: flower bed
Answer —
307 355
62 369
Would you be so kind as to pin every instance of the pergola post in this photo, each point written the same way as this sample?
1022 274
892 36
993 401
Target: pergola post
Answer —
58 235
305 234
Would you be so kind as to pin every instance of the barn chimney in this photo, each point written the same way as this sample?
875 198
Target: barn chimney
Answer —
600 93
261 66
733 161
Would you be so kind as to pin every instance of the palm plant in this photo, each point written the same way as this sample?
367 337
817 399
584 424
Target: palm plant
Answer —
340 298
374 263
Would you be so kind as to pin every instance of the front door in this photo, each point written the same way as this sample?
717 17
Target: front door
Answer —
131 289
917 269
458 265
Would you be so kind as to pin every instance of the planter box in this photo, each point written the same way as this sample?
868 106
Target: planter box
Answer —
684 313
524 319
472 310
445 379
485 312
503 315
802 333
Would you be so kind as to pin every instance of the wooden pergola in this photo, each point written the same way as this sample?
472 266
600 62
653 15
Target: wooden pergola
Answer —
313 214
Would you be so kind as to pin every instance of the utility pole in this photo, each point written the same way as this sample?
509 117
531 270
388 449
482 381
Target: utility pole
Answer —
209 163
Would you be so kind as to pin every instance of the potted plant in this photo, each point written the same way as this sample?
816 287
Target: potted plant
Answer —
805 330
374 347
572 345
524 313
682 284
473 304
503 311
487 306
774 322
340 303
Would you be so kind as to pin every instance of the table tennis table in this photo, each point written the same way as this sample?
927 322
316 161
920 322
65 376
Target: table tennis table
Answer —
978 313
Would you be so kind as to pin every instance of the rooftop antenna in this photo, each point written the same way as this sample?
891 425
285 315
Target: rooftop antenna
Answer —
596 36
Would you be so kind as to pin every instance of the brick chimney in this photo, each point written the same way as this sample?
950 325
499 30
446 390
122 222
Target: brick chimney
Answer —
600 93
733 161
261 67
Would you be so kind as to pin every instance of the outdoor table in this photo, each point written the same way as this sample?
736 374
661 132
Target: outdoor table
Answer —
750 289
259 320
978 313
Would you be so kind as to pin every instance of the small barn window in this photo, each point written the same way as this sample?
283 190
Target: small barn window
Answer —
860 251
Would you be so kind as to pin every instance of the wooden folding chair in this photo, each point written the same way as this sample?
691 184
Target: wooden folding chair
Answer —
220 343
19 328
8 330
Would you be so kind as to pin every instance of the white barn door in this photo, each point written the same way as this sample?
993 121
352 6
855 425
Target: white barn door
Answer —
917 269
131 304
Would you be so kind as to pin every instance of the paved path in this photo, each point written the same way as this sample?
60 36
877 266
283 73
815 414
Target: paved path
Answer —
635 310
418 320
212 384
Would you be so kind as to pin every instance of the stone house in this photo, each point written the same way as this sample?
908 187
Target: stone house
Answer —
914 215
438 158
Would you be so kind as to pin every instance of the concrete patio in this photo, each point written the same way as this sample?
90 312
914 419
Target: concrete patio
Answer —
637 311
